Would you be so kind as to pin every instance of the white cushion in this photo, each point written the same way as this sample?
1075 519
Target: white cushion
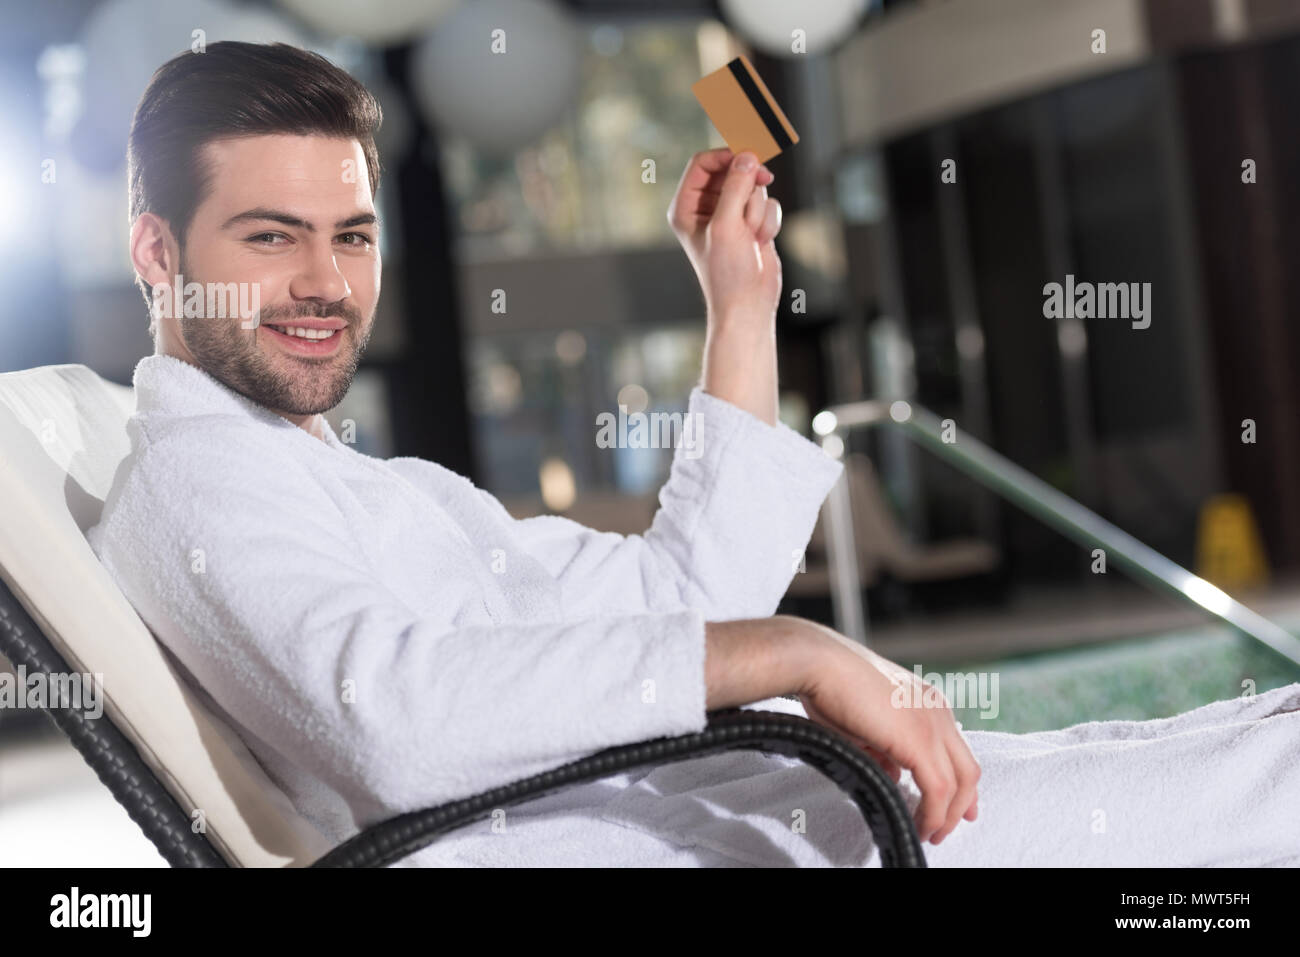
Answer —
62 429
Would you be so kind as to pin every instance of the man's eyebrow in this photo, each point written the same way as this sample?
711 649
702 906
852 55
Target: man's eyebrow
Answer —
361 219
262 214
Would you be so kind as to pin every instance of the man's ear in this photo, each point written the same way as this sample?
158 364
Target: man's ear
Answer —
154 251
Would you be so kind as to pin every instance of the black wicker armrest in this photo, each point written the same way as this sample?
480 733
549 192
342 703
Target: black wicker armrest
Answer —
733 729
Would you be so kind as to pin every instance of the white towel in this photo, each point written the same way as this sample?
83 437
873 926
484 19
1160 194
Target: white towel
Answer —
1215 786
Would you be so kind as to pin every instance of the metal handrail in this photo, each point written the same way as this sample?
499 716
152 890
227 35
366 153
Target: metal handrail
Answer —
1030 493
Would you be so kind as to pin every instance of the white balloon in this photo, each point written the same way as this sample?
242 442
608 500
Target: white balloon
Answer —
126 40
380 22
770 24
499 101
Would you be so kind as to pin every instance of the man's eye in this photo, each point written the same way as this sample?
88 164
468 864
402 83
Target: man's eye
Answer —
356 239
265 238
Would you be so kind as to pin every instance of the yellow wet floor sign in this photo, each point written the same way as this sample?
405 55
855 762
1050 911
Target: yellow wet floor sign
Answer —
1229 551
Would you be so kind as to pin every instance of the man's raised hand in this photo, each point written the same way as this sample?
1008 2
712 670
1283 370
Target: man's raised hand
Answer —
726 223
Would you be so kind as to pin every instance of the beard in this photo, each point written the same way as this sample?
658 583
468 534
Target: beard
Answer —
284 383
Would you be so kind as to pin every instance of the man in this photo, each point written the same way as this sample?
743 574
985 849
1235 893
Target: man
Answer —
382 634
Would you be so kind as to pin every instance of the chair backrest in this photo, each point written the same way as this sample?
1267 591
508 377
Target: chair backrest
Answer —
62 440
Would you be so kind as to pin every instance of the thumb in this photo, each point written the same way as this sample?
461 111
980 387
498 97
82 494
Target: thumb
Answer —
736 189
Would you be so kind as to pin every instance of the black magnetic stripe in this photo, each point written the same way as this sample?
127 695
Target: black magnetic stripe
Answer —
759 103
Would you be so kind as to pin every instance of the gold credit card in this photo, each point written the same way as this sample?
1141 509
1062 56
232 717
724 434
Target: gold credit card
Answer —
743 111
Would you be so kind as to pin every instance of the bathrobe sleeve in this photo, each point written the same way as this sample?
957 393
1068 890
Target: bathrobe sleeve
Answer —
734 518
235 557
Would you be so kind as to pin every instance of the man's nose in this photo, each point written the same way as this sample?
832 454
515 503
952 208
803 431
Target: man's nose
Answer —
319 277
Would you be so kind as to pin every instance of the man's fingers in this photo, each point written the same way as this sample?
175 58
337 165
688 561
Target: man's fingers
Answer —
684 211
968 774
707 170
712 163
935 777
696 200
756 209
714 160
771 224
708 205
736 189
703 169
763 215
714 189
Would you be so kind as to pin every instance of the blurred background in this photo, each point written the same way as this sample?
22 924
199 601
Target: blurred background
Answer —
955 157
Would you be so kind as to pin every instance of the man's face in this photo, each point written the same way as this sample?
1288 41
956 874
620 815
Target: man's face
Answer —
293 215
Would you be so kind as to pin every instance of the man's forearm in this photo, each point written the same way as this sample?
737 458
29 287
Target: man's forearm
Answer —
740 364
754 659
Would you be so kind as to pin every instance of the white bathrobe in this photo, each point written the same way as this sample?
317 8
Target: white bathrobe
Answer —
385 637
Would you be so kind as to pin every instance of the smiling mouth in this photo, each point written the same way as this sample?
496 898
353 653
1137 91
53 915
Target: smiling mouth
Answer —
306 334
305 342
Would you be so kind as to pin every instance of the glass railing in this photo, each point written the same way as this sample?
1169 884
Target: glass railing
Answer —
1033 495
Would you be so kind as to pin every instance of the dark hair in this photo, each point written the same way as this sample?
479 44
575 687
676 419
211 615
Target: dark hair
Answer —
235 89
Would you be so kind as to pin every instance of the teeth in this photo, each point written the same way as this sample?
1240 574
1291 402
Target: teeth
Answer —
306 333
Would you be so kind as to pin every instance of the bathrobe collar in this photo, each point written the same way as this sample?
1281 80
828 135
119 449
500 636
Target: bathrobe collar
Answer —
172 386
